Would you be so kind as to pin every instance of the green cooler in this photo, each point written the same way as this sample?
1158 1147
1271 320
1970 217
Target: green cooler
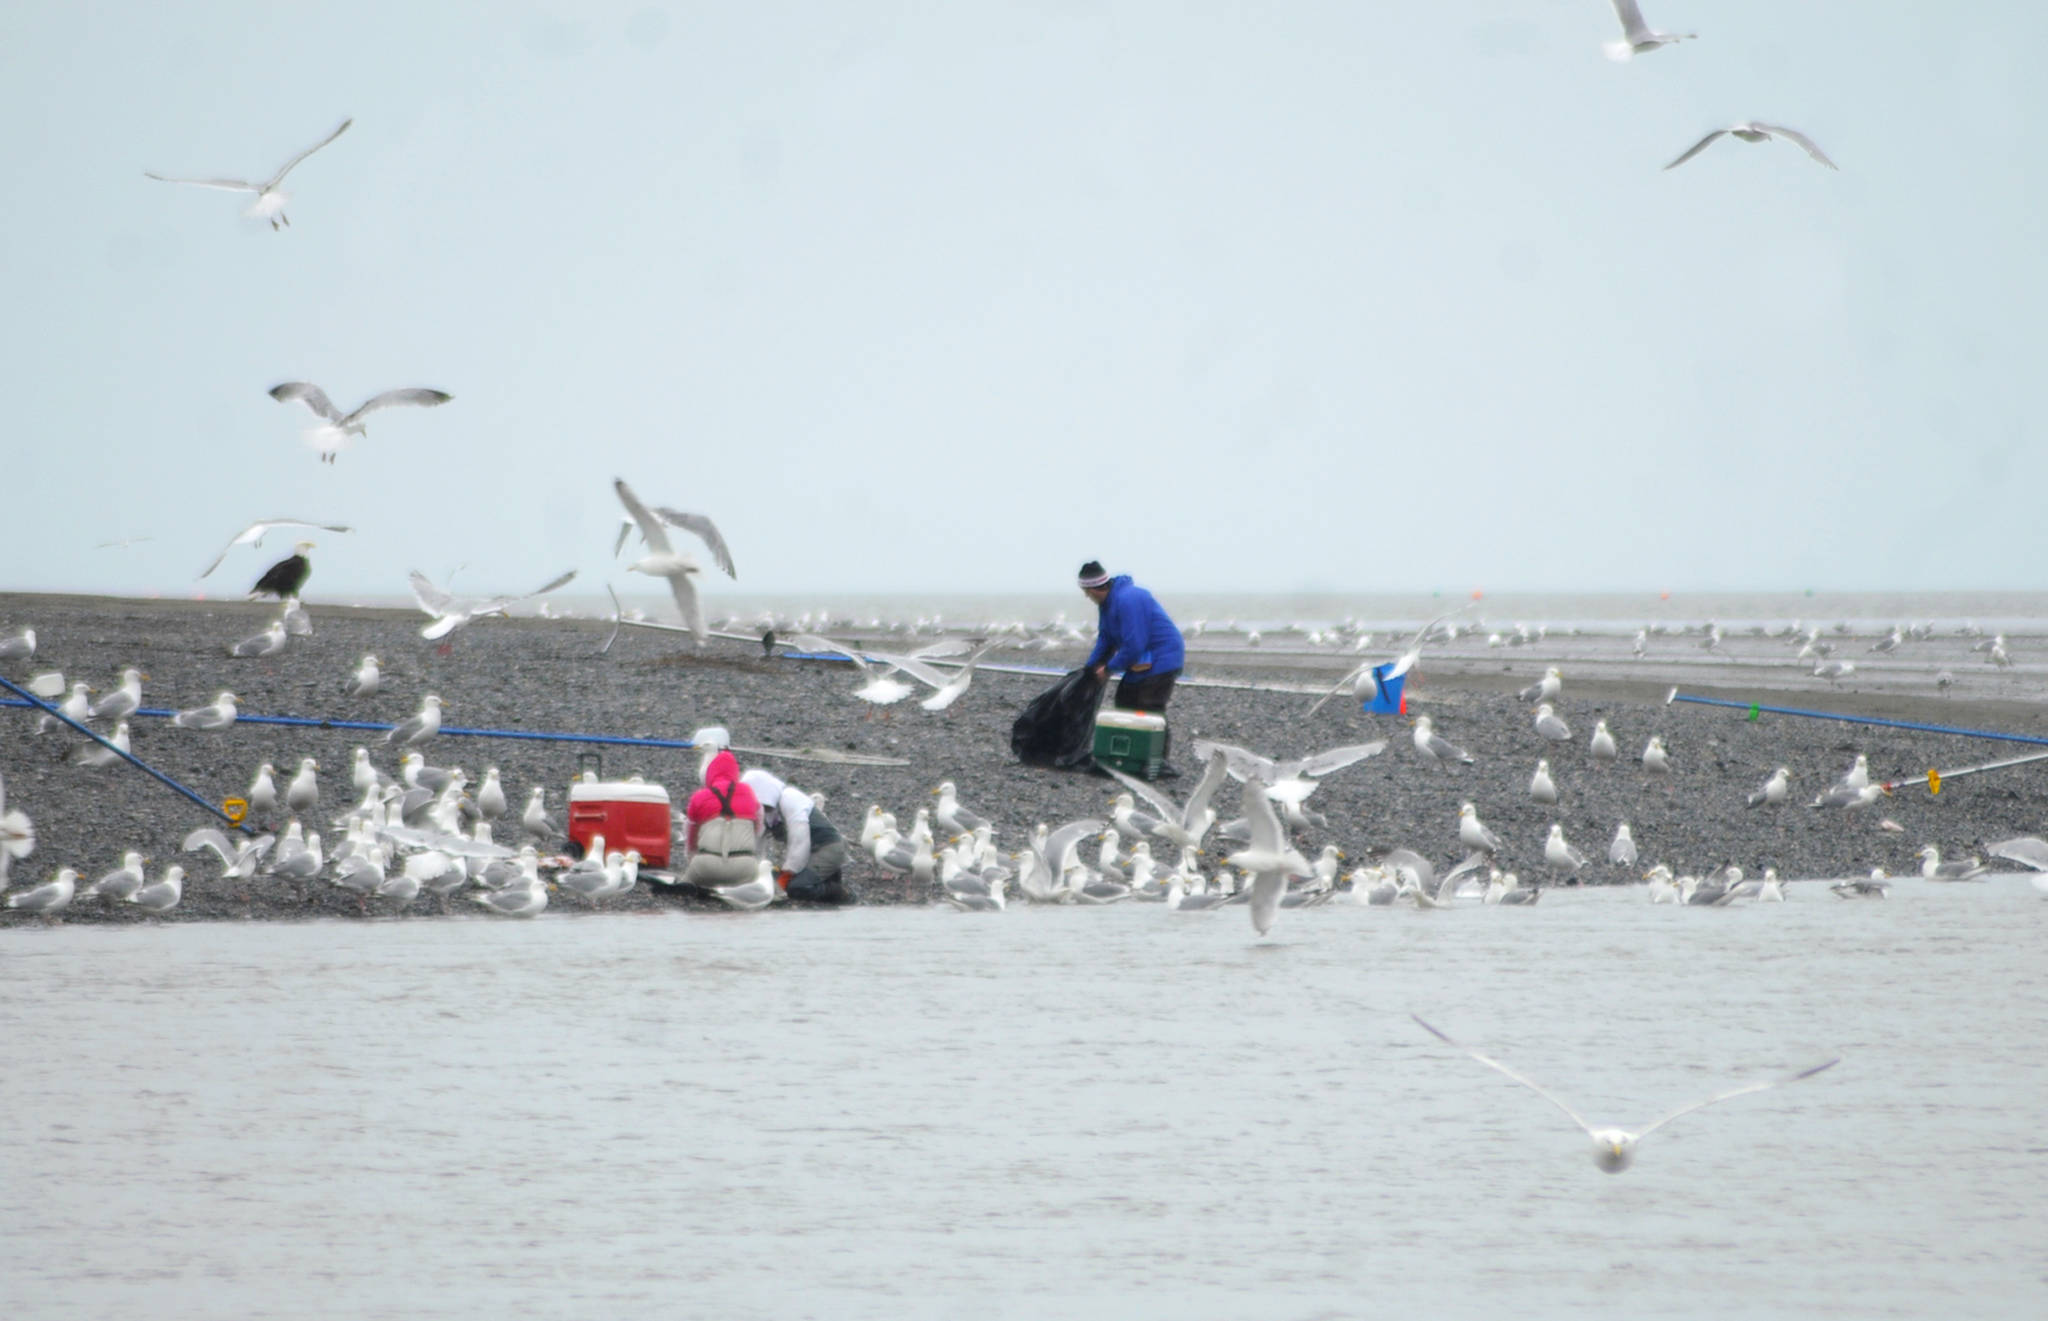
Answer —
1133 742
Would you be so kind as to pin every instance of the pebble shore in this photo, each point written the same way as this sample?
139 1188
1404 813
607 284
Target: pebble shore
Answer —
546 675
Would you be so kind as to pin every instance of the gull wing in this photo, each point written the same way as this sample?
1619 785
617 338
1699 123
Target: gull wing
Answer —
706 531
619 542
432 599
1410 861
1813 150
1212 779
312 396
231 185
1716 1099
497 604
813 642
412 394
913 667
1632 25
254 533
1336 759
650 527
288 166
1339 687
1696 148
1062 841
1242 763
208 837
1166 808
1496 1064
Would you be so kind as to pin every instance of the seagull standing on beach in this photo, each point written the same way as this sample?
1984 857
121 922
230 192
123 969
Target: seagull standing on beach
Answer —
78 706
338 429
1550 725
123 701
1604 748
162 896
302 795
662 559
1773 790
18 645
1637 37
267 643
1472 832
270 196
17 835
1560 854
95 754
423 725
1655 760
49 896
1438 750
365 681
1614 1149
1545 688
1622 852
219 715
1542 788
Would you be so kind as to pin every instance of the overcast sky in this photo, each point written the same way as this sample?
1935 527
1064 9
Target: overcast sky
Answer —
952 296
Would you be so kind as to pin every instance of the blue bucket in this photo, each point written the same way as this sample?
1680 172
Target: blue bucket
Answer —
1389 700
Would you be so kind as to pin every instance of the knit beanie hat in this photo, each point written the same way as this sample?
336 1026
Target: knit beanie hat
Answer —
1094 575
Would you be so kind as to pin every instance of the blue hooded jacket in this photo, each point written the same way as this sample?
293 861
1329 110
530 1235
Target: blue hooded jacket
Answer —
1132 630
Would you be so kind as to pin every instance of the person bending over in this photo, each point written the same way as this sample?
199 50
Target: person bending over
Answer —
1133 633
813 851
723 843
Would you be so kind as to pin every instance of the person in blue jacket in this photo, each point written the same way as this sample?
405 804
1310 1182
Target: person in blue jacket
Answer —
1134 634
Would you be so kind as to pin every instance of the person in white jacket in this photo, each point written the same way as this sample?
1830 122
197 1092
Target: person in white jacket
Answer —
813 850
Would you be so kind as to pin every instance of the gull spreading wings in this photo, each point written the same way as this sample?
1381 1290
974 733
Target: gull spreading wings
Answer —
269 202
662 559
1292 780
1366 677
1187 823
1752 131
450 614
253 535
333 437
1614 1148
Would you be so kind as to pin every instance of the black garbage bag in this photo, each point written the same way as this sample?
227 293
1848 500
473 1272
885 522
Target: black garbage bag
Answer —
1057 730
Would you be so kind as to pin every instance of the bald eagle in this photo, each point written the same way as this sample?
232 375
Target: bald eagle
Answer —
287 576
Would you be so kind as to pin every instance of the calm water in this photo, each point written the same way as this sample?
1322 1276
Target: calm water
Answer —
1100 1112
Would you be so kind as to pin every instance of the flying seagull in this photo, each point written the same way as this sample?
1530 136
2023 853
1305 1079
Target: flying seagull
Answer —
1636 36
1614 1149
269 203
253 535
1752 131
662 560
341 427
450 614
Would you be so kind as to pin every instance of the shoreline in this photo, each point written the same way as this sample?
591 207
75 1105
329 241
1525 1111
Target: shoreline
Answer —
543 674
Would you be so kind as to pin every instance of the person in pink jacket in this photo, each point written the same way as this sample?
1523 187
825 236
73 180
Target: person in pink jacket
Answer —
723 843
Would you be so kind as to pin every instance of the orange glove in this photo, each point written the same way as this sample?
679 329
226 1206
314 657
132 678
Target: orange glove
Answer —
782 880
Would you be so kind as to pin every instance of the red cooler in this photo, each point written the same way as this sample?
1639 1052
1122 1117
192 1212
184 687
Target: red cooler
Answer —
630 814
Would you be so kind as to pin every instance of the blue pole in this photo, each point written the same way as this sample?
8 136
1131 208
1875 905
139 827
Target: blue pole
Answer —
30 699
1860 720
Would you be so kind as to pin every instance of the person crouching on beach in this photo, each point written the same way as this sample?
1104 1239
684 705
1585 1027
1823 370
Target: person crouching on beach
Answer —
813 850
723 842
1133 633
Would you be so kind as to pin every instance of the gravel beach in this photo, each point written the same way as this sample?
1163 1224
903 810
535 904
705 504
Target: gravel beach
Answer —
546 675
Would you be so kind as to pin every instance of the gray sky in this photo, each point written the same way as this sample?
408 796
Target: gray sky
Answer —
949 297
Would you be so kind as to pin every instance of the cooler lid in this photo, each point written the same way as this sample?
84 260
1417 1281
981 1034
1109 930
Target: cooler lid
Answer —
617 791
1116 719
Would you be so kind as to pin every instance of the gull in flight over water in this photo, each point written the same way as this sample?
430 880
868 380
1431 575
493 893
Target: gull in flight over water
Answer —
253 535
1753 131
1636 37
1614 1149
270 198
340 428
662 559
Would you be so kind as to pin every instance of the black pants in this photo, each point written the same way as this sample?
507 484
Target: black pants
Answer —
1148 692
